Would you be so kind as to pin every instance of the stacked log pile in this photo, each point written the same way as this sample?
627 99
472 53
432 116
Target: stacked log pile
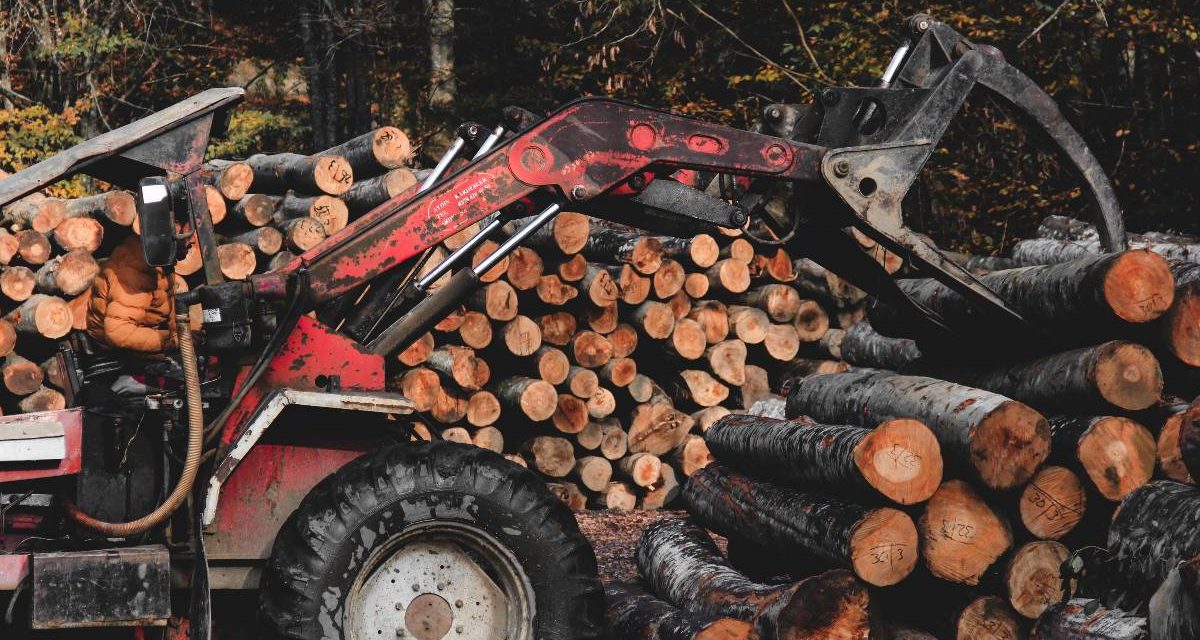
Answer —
265 210
1051 491
598 355
986 482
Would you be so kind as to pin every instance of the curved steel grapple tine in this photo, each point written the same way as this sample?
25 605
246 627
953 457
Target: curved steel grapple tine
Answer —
1007 82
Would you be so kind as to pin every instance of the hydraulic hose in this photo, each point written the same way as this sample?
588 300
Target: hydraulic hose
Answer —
191 464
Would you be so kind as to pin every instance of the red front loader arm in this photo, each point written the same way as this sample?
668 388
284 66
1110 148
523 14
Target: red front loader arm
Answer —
582 151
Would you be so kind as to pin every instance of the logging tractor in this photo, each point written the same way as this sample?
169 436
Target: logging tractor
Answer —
268 458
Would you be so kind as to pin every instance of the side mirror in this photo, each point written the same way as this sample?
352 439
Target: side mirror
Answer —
157 221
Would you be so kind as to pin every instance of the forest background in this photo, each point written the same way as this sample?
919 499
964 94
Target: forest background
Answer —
1126 74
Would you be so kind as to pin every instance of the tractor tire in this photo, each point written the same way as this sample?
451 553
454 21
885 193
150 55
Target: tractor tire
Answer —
431 541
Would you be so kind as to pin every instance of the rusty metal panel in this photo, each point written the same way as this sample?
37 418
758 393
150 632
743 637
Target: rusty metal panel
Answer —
101 588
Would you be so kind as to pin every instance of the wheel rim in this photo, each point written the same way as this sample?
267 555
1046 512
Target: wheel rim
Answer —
441 579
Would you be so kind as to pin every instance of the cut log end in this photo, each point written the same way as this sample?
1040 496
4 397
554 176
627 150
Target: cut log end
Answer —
1009 445
831 605
1138 286
1128 376
961 535
1033 578
1170 456
989 617
902 460
1118 455
883 547
538 400
332 174
1052 503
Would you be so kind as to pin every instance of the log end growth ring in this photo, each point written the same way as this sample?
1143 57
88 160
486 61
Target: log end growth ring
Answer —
883 547
1118 455
1139 286
902 460
1128 376
1009 445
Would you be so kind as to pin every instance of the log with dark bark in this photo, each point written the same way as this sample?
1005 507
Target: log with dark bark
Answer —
302 234
672 553
1000 441
1174 609
328 210
117 207
814 281
231 179
48 316
535 399
1052 503
981 265
634 614
276 173
70 274
1087 298
900 459
460 366
1046 251
566 234
1108 376
1115 454
962 536
643 253
879 544
35 212
1084 619
862 346
374 152
254 210
266 240
700 251
550 456
1153 530
364 195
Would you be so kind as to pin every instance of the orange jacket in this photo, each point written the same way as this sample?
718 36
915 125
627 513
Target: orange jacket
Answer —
131 303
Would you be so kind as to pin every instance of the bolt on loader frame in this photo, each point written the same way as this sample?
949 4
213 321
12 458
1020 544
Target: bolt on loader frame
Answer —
851 158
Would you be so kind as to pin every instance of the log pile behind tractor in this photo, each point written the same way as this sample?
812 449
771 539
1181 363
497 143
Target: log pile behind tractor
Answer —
977 485
863 470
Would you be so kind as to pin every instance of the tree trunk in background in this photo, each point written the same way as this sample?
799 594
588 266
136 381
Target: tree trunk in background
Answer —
357 62
441 53
316 33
